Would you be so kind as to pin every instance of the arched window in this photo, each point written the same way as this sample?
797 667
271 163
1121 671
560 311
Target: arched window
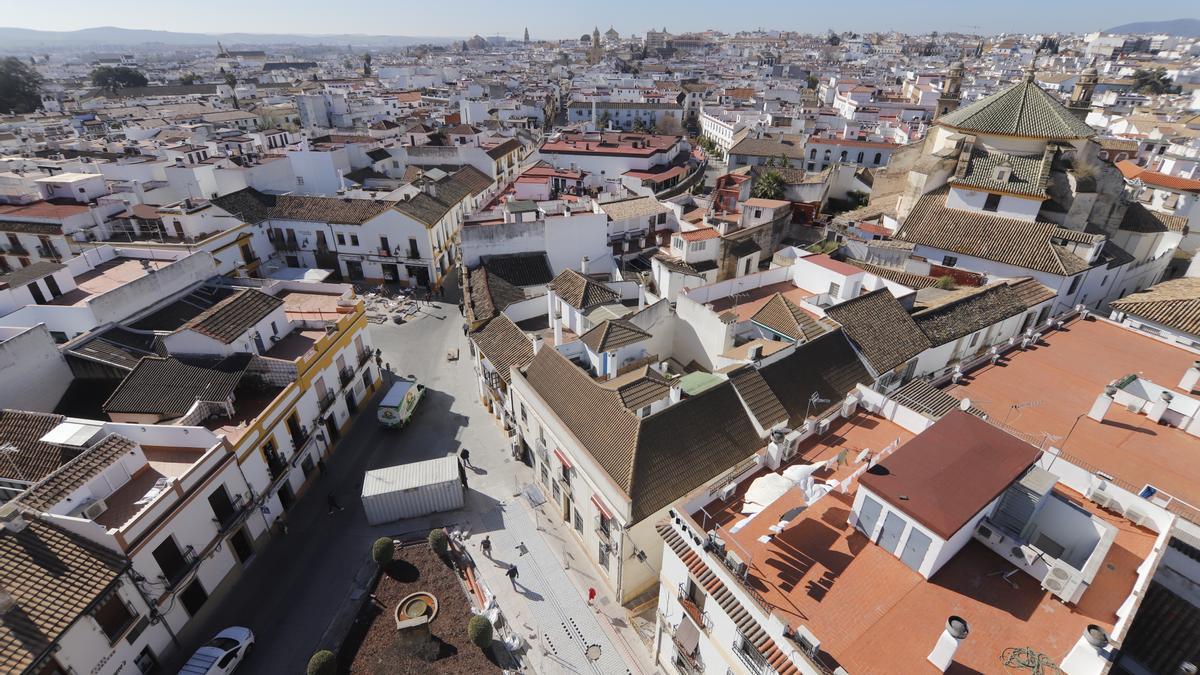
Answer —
812 154
878 158
843 155
860 158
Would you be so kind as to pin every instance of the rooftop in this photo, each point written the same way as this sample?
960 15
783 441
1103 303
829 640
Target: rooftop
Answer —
107 276
872 613
1055 383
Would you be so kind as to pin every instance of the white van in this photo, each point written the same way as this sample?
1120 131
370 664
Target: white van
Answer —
398 404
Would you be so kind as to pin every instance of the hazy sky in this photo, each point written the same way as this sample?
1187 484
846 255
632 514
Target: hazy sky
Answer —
564 18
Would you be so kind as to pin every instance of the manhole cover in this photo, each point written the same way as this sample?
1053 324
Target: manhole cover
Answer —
592 653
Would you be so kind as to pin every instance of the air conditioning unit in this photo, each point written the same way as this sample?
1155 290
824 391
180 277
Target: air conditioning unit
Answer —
89 509
850 406
1063 581
989 534
823 427
726 492
806 641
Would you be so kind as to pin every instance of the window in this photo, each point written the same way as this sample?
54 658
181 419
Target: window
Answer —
812 154
757 213
992 203
835 288
524 416
878 158
662 218
974 340
413 251
578 522
354 240
1074 285
860 158
193 597
746 268
114 616
949 260
383 244
299 180
341 239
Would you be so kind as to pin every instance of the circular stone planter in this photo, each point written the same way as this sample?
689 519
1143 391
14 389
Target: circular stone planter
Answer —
416 609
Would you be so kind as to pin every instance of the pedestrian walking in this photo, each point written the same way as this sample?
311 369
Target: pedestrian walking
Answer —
321 466
512 575
486 545
521 549
333 504
465 456
283 526
591 596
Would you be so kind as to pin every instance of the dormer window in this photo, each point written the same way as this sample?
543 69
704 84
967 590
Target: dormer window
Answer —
1002 173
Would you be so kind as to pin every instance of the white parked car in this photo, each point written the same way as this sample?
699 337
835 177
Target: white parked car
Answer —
222 654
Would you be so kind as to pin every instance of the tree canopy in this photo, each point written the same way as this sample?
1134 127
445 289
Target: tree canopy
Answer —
1152 81
112 78
769 185
20 87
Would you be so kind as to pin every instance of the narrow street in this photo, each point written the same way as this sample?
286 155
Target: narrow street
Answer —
291 591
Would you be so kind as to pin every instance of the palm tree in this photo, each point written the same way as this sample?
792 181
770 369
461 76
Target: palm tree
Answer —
769 186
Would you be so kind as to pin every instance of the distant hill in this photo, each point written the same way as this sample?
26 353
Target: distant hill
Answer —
1176 27
12 39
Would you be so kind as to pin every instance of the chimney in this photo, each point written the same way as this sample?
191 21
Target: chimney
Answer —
557 321
1103 401
537 343
676 393
341 181
1160 406
943 652
139 194
583 266
755 352
1188 383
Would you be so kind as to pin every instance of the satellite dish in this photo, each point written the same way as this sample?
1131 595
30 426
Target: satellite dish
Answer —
964 405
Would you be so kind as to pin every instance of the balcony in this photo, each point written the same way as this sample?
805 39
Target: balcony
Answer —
364 356
17 249
300 438
276 467
346 376
226 521
694 612
326 401
754 661
176 576
687 662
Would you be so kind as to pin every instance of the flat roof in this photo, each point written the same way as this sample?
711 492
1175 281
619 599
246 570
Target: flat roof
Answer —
872 613
107 276
1056 382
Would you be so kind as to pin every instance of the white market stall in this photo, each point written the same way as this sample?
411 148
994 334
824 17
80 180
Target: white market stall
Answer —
411 490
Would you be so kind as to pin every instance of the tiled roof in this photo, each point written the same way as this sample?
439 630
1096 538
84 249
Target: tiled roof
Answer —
982 235
504 345
637 207
783 317
789 146
28 273
1027 174
253 206
758 398
944 476
923 397
978 309
581 292
117 346
1138 218
884 332
428 209
915 281
699 234
612 334
343 210
1157 179
230 318
511 145
53 576
490 294
33 459
639 387
1024 109
1174 304
656 459
520 269
71 476
1031 293
170 387
826 366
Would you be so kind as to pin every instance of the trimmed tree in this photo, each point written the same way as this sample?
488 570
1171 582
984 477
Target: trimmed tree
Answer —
112 78
769 185
479 631
383 551
438 542
323 662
